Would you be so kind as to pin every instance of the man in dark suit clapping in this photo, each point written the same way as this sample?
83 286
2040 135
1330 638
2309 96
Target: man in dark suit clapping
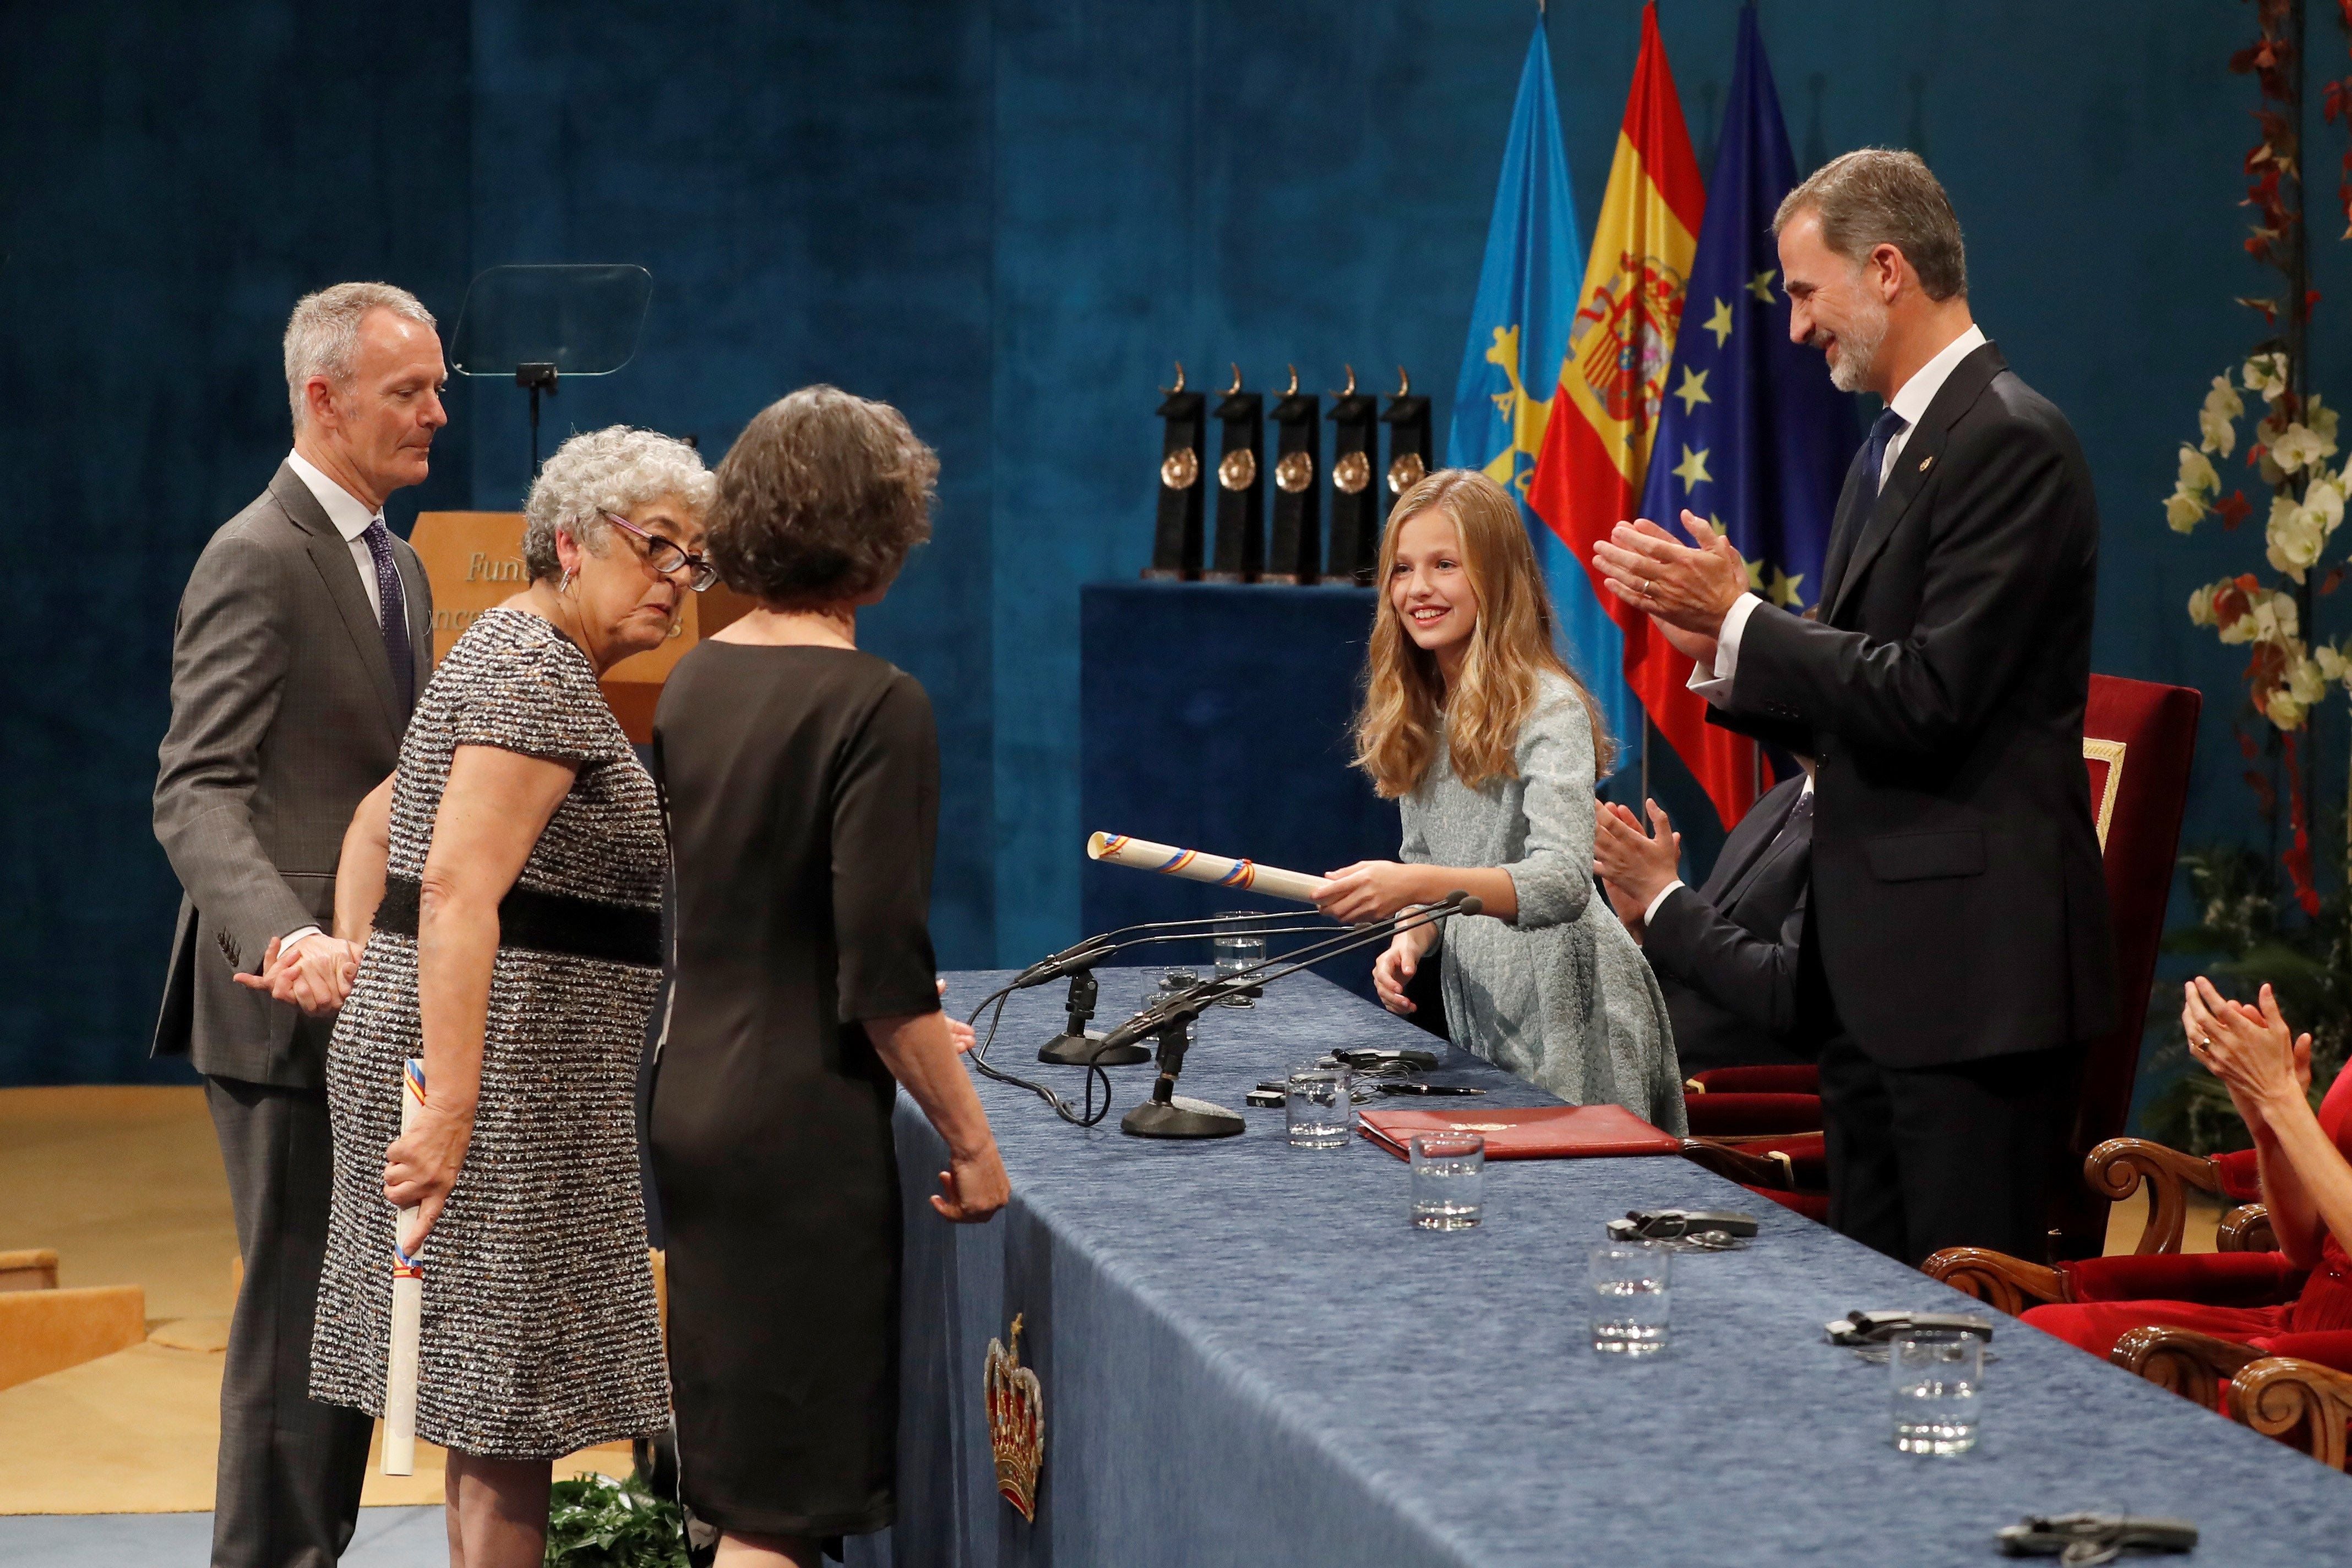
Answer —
303 637
1726 955
1958 913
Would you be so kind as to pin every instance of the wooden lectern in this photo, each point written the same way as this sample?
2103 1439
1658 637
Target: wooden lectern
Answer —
474 561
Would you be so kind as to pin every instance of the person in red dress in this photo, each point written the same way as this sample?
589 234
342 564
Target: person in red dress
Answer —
2305 1159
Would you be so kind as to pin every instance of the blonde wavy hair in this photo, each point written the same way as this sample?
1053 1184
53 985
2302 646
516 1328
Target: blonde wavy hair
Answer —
1405 700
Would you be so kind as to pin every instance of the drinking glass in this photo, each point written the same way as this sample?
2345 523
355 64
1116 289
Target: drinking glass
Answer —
1631 1294
1322 1111
1449 1180
1238 948
1939 1384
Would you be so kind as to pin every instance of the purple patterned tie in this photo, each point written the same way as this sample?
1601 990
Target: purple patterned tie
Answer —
396 614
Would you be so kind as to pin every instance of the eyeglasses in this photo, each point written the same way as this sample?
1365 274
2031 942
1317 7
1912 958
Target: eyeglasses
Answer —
666 557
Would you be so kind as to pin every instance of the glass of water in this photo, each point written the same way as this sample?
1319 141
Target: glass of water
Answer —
1938 1386
1238 948
1449 1180
1321 1109
1632 1284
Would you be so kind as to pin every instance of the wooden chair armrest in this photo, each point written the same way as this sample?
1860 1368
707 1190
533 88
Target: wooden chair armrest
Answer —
2246 1228
2007 1284
2280 1395
2117 1168
1737 1165
2191 1364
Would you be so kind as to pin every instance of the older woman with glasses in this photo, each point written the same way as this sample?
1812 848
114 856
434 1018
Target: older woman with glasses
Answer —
503 891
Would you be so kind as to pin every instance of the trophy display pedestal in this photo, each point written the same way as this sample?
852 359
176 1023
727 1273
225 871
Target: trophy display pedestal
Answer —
1181 1117
1081 1050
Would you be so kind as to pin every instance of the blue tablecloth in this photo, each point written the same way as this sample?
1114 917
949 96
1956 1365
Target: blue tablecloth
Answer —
1249 1356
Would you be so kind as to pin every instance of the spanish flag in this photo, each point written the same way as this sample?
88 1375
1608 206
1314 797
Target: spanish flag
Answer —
1612 380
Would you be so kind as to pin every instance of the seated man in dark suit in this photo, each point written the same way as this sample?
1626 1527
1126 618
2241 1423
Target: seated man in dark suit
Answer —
1725 954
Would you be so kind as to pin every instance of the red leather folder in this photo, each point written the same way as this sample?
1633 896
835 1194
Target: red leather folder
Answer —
1542 1133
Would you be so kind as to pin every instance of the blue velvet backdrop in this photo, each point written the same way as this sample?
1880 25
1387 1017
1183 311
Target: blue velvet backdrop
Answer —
1007 217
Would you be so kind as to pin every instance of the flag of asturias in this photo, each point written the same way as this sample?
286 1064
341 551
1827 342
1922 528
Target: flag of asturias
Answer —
1612 380
1518 330
1753 437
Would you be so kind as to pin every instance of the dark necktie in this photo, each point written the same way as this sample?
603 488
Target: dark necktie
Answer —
1883 431
396 614
1853 521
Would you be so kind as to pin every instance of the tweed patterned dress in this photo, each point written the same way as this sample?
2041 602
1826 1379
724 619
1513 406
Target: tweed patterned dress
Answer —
540 1329
1562 997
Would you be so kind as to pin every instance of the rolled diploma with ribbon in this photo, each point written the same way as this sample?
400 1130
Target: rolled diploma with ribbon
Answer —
1117 849
407 1311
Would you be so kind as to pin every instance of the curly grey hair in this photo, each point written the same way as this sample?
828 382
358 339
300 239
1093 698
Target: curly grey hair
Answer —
323 335
611 469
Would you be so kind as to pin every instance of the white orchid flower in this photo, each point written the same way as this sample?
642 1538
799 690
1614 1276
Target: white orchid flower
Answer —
2197 474
2282 710
2321 420
2214 421
2266 374
2332 664
2294 537
2182 510
2299 446
2305 681
2324 498
2200 605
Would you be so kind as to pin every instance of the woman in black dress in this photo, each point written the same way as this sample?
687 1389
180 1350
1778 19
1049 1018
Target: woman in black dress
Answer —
802 780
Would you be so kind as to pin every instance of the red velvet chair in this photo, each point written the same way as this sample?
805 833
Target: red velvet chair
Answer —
2139 739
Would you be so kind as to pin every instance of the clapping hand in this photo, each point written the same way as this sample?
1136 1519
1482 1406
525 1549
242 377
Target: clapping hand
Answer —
1635 865
316 976
1686 591
2251 1050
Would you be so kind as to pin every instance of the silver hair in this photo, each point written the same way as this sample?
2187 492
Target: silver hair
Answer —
323 335
613 470
1878 196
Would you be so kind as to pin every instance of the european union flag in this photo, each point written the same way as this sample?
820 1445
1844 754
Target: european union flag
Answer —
1753 437
1519 335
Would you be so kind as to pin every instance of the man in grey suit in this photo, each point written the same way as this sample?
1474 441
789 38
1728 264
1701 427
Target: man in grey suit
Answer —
302 641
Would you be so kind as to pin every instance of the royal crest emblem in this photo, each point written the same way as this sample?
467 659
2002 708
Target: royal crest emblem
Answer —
1623 337
1016 1424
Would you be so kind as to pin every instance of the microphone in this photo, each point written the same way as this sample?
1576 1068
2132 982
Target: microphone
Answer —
1170 1020
1077 1046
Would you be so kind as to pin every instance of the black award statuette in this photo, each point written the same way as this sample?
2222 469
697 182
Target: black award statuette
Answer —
1410 452
1355 494
1176 540
1292 551
1240 549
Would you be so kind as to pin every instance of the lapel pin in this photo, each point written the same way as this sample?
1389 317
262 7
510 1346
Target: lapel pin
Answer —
1925 461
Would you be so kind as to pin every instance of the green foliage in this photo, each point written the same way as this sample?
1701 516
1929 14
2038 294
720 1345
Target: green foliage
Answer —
594 1522
2250 932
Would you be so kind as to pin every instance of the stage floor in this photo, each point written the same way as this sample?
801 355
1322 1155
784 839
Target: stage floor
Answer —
126 1184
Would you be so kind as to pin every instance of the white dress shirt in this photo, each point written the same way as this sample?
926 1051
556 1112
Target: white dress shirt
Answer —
1910 400
1667 891
351 517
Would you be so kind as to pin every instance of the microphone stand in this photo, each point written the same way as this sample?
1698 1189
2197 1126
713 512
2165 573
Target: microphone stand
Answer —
1170 1022
1077 1046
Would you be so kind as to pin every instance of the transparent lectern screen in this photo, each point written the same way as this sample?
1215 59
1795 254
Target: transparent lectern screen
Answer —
582 319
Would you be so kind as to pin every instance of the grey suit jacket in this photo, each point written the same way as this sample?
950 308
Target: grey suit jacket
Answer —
284 714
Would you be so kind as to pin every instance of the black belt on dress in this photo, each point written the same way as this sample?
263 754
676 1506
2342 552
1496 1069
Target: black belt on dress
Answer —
548 923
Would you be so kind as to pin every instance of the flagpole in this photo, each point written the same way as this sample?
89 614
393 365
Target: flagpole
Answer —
1646 759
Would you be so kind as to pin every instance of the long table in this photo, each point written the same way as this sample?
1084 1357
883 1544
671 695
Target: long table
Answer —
1248 1356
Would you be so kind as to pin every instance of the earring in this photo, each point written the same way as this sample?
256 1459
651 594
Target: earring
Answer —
564 585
